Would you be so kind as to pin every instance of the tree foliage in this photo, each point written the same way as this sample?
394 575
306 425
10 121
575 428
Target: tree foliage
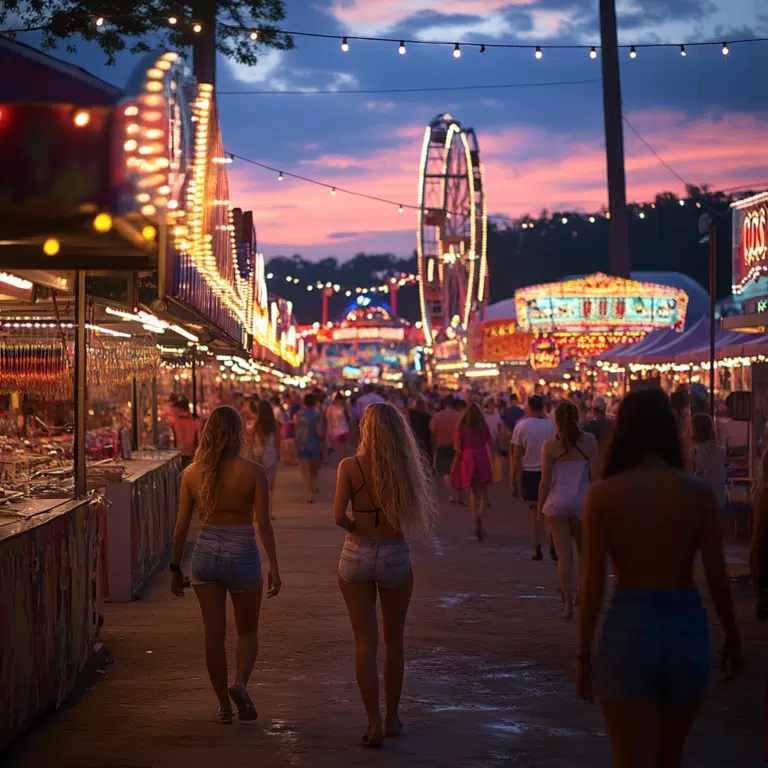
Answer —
137 26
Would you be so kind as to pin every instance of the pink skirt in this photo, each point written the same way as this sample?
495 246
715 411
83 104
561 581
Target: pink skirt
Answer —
475 467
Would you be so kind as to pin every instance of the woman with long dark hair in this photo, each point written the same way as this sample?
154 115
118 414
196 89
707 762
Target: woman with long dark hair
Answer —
388 485
568 463
652 519
472 462
229 493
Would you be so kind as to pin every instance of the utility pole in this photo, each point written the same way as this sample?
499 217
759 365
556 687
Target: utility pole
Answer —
614 141
204 42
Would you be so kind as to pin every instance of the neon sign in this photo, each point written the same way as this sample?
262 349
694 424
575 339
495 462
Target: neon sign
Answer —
750 241
599 303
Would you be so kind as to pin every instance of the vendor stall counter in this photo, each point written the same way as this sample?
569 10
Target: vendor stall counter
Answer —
50 604
141 514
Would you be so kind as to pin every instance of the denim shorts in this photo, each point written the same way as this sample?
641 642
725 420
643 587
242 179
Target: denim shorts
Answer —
655 644
227 556
386 562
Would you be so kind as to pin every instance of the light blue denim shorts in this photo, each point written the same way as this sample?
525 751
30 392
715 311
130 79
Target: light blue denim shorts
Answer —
386 562
227 556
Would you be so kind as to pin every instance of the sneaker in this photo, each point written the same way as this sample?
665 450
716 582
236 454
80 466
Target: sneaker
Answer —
225 716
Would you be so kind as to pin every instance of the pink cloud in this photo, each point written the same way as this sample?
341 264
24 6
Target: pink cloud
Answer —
375 16
526 169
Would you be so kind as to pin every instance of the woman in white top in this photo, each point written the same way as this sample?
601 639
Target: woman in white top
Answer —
708 456
265 446
338 426
569 462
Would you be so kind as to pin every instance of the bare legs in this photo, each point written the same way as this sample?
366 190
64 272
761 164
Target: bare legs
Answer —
535 530
565 531
477 508
360 598
247 611
310 469
394 609
213 606
648 733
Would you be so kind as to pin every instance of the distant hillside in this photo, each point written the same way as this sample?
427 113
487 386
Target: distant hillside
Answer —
666 238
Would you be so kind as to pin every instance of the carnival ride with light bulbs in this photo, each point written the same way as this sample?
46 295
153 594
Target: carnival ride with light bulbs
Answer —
452 230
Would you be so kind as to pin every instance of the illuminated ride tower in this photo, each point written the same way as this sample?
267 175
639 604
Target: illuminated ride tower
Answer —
452 231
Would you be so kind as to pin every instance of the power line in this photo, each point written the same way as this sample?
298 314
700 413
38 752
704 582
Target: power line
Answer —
371 91
657 155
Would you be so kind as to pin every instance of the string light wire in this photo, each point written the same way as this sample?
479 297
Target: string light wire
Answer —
426 89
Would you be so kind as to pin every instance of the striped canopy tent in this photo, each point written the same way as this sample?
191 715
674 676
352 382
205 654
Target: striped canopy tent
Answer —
727 344
655 339
745 345
692 339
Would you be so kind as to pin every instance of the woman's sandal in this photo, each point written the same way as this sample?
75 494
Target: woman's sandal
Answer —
225 717
245 708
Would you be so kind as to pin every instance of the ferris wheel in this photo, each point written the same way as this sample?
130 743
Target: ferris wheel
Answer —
452 228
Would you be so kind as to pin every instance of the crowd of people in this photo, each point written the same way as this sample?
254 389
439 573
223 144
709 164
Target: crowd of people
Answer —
641 483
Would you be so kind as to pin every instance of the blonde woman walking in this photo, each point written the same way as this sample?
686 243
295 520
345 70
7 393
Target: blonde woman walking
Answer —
229 492
387 483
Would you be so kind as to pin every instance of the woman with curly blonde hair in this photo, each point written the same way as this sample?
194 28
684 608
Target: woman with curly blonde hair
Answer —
391 494
229 492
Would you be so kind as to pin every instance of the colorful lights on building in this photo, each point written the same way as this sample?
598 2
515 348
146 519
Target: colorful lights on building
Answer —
600 303
750 242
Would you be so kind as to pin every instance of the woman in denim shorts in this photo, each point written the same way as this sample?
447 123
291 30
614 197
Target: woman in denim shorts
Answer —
388 486
654 658
229 493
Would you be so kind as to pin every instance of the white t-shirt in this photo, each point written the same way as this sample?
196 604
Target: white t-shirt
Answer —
366 400
493 419
531 434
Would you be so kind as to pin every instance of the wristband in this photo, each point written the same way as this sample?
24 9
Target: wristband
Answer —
174 568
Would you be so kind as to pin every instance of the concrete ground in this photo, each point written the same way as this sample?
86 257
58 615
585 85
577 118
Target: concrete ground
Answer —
488 678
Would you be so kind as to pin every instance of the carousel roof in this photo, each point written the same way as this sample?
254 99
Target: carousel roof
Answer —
698 298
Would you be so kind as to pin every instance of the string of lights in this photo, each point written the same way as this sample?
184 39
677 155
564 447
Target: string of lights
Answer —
398 282
256 33
524 222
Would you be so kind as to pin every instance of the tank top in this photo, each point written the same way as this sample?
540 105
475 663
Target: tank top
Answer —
569 486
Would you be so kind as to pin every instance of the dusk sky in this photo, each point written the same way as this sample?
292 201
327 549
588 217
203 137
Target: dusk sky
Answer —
542 147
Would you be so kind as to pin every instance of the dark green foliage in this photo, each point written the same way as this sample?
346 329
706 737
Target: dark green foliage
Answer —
142 25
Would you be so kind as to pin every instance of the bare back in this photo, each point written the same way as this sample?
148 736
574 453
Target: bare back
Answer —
365 509
237 493
653 519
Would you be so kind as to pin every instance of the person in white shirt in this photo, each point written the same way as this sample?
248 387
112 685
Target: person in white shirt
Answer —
528 439
369 396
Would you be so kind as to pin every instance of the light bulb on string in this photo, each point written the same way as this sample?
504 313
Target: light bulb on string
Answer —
100 21
254 35
400 209
632 53
456 51
344 45
593 52
280 176
683 51
333 190
726 49
197 28
482 48
538 53
401 48
173 21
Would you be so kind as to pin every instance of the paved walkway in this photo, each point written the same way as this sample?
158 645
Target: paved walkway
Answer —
487 684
